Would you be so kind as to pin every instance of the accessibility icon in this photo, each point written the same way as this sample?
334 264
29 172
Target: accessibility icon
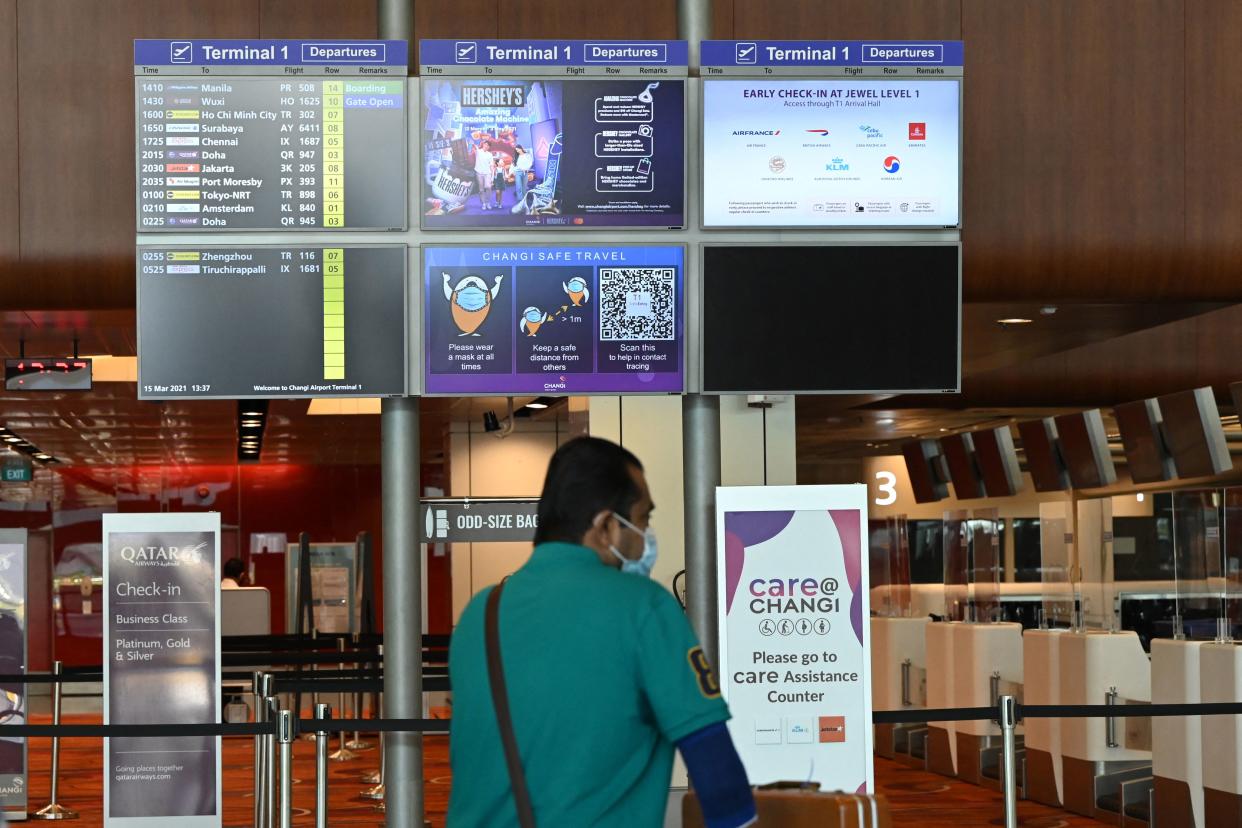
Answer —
767 626
822 626
786 627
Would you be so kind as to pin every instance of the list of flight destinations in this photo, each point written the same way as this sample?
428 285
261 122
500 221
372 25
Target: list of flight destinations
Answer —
219 151
279 321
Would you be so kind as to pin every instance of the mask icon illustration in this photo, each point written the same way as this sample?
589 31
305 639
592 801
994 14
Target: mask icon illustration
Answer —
577 291
532 320
471 301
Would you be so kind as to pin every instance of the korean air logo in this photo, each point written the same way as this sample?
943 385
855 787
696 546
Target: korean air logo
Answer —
437 524
892 164
466 51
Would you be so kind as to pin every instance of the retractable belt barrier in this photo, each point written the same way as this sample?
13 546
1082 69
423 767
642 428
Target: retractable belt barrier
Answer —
1055 711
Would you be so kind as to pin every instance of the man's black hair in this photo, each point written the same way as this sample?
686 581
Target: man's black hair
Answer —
587 476
234 568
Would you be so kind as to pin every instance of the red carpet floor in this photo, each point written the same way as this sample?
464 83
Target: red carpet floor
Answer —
919 799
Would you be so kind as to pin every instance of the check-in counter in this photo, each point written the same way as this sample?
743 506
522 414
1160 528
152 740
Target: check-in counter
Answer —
987 663
898 676
1220 672
941 736
1042 670
1098 667
1177 741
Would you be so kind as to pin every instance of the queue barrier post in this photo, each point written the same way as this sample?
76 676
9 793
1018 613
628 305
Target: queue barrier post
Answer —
376 777
322 712
1007 709
54 810
261 689
341 754
358 743
285 720
272 714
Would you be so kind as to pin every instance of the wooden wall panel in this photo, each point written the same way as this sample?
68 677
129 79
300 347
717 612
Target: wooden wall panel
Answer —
76 127
8 147
318 18
452 18
580 19
1213 143
1074 136
722 20
849 19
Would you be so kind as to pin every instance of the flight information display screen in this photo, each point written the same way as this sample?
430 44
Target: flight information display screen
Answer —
273 148
831 153
271 321
553 320
553 153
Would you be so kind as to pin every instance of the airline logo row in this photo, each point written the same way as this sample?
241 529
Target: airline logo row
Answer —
718 53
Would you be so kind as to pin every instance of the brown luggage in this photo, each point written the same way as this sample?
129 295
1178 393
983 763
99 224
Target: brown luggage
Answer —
793 805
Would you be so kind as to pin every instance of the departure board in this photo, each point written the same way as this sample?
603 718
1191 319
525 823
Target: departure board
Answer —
270 135
271 321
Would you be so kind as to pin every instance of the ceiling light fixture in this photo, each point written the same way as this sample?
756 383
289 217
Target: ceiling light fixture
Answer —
1014 320
884 421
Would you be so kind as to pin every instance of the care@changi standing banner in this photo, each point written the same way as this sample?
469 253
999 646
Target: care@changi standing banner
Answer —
162 666
794 639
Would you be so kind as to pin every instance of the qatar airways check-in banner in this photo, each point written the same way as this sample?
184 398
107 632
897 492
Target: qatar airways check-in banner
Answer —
794 642
162 667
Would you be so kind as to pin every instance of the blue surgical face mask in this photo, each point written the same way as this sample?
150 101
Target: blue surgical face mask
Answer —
471 298
643 565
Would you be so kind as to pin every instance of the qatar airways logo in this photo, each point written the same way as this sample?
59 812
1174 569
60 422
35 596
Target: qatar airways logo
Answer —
781 596
162 555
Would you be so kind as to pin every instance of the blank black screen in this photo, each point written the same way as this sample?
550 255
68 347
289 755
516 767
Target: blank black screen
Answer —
830 318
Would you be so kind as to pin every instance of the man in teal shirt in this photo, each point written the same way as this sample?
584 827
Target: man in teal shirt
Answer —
604 674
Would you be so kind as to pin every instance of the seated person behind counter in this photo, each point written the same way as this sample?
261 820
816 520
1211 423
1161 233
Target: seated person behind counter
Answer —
234 574
603 674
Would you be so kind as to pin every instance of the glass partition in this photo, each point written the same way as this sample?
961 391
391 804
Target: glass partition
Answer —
1198 570
1231 564
890 567
1055 565
1094 554
954 530
986 565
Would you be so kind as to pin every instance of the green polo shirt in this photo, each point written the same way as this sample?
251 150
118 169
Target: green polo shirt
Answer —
604 676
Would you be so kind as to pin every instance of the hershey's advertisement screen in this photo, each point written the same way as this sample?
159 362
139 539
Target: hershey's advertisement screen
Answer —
831 319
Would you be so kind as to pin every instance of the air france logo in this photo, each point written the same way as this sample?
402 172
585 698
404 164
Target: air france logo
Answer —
756 132
892 164
778 596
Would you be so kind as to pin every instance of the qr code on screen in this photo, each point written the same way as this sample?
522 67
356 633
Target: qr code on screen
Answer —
636 304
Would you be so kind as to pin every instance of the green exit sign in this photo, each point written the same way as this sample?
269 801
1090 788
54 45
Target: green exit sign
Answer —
17 472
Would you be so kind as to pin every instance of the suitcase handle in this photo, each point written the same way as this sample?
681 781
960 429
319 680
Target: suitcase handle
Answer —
789 785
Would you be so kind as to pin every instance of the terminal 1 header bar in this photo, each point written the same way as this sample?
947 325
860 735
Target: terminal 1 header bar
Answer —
354 55
438 57
758 54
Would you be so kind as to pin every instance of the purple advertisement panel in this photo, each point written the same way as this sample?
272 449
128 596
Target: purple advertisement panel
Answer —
162 667
553 320
553 153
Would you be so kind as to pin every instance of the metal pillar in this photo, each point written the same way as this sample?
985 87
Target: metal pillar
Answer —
700 429
403 611
694 23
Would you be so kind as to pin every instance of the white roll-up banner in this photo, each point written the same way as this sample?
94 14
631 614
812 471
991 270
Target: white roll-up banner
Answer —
162 666
795 644
13 762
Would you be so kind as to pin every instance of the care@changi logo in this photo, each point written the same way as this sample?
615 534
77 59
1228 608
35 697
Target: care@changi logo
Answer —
780 596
